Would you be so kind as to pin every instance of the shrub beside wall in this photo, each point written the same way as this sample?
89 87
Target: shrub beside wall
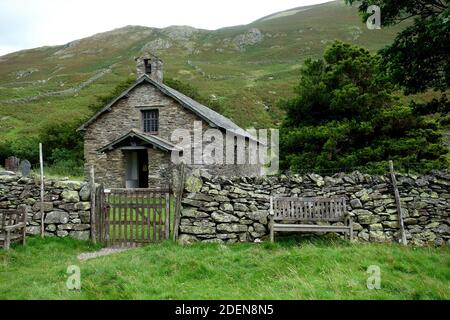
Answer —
67 205
216 209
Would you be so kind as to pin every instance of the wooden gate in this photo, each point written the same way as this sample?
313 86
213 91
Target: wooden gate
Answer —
133 217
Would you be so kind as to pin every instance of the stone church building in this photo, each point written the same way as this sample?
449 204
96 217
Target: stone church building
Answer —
128 142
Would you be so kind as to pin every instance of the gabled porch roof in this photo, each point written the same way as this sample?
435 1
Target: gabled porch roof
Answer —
136 139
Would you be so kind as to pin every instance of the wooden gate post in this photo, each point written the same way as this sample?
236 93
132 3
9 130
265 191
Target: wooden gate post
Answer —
178 198
397 201
102 212
167 222
93 205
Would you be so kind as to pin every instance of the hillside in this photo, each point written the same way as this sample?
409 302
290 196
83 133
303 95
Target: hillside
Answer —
247 68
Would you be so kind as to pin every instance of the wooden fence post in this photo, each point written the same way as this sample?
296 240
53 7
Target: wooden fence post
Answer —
93 205
397 201
167 220
100 194
41 162
271 220
178 198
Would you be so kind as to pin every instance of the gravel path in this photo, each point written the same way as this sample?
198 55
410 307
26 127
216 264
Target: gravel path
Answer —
101 253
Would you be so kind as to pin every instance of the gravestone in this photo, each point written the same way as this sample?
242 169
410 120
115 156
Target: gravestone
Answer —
25 167
12 164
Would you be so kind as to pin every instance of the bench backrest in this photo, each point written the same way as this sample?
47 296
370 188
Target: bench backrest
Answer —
308 209
10 217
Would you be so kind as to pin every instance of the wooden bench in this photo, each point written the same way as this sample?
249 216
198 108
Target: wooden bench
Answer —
13 225
300 214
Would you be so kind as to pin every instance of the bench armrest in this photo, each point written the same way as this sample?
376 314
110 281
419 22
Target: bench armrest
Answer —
348 220
15 226
271 212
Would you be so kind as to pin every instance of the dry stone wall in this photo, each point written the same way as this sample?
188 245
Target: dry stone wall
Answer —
229 210
218 209
66 205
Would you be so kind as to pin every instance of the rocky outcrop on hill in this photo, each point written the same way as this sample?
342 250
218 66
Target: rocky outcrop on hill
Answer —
180 33
250 38
157 44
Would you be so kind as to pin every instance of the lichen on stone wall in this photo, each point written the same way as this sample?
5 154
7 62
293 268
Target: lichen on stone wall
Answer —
66 205
236 209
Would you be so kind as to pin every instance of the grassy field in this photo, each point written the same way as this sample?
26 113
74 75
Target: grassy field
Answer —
309 269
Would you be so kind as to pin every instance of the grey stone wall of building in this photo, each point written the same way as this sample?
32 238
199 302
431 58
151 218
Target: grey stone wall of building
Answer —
126 115
159 161
219 209
66 207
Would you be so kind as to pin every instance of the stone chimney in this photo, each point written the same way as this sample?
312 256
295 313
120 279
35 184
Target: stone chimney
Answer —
150 65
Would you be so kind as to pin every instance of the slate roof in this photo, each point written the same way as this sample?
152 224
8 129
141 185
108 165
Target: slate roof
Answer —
150 139
213 118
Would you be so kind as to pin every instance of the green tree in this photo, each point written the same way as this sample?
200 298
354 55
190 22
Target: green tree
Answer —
23 148
62 142
418 59
345 115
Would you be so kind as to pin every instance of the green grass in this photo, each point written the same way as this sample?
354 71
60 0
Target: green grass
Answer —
58 173
291 269
51 173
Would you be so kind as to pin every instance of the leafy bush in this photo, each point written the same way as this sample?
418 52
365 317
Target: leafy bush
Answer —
345 116
5 151
62 147
23 148
62 138
441 106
